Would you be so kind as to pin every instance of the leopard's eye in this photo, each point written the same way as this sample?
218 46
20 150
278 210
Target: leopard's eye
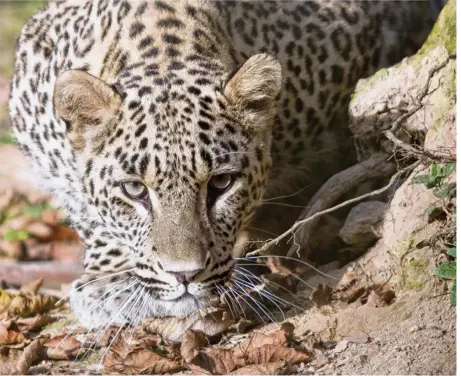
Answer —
221 183
135 190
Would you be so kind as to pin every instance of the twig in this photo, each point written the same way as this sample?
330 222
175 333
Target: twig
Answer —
411 149
300 223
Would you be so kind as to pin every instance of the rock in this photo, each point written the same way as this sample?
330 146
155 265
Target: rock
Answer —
360 226
320 359
341 346
357 337
415 328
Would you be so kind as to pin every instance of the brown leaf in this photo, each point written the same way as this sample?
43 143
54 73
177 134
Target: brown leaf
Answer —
39 230
137 361
52 217
258 339
33 286
25 305
63 233
276 353
276 266
35 323
16 362
357 336
196 370
191 340
218 361
18 223
12 249
321 295
63 347
10 333
274 368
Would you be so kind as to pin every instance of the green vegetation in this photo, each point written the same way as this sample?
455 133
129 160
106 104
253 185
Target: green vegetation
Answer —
7 138
13 16
438 182
12 235
447 270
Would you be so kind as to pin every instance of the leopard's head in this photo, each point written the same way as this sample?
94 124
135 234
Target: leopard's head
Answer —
173 166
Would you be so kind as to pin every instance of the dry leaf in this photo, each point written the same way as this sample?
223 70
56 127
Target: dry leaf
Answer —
258 339
276 353
34 323
25 305
39 230
275 368
12 249
276 266
321 295
218 361
191 341
16 362
33 286
63 347
196 370
10 333
137 361
52 217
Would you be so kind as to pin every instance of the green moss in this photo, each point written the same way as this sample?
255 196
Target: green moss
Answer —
444 31
415 274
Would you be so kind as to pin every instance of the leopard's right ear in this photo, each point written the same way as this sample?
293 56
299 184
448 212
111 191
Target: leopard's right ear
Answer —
85 102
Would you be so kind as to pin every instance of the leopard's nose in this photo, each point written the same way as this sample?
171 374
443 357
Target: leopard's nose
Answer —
184 277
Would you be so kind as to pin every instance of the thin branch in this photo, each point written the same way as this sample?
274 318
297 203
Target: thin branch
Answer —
432 154
300 223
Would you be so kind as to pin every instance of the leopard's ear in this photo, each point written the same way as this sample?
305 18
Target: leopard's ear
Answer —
85 102
254 87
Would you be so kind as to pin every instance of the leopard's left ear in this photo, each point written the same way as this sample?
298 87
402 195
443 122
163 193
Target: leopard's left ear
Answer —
86 102
254 87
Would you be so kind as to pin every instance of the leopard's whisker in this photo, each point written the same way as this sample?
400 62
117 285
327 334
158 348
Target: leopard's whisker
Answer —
250 258
249 304
223 293
269 294
135 294
236 296
283 204
95 280
260 293
261 230
272 283
289 195
104 300
100 332
93 307
260 305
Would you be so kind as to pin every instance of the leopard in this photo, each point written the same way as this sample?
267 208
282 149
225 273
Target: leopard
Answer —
162 126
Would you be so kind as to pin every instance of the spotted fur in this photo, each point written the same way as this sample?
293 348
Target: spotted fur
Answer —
171 93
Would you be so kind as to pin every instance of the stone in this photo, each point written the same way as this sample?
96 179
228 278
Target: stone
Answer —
361 223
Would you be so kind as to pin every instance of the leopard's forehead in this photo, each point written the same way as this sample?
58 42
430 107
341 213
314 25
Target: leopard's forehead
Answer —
174 133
